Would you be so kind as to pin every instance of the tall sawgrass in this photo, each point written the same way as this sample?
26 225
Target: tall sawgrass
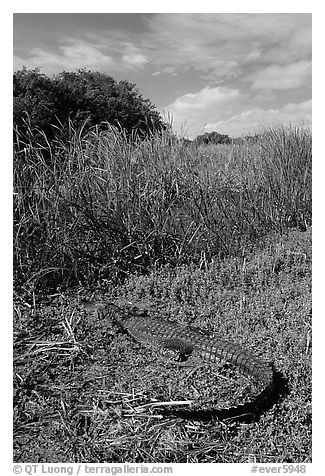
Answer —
101 206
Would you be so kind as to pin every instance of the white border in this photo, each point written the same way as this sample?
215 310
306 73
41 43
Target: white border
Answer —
318 186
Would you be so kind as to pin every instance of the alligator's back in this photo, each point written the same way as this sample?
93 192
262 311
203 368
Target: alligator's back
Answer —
161 333
166 334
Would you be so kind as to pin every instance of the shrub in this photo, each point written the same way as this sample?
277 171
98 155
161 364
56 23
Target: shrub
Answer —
46 105
213 138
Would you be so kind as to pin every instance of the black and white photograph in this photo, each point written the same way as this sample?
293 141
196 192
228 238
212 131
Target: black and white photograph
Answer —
162 241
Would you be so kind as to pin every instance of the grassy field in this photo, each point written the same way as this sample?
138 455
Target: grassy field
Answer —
214 237
102 207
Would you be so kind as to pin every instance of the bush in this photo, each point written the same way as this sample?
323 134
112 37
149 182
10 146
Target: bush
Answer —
213 138
46 105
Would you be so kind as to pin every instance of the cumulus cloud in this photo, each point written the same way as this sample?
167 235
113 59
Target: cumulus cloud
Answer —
229 111
261 62
253 119
194 103
133 57
282 77
192 111
136 59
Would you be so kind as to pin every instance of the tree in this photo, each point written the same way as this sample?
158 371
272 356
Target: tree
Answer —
41 103
34 101
213 138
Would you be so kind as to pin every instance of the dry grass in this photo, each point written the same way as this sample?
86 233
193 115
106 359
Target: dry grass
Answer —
102 207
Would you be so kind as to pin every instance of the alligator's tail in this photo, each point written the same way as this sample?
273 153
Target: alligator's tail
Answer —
166 334
216 350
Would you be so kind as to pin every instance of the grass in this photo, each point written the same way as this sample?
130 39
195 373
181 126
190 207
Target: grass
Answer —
101 207
216 237
78 382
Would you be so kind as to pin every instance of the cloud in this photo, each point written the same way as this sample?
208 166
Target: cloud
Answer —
72 54
282 77
204 100
133 57
192 111
229 111
297 45
237 70
167 70
253 119
252 56
219 45
214 46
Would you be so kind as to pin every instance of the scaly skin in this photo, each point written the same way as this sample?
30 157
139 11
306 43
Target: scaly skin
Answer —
161 333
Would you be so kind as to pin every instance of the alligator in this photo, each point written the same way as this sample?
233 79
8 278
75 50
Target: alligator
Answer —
164 334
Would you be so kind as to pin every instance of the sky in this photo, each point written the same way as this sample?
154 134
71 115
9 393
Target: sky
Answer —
227 72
